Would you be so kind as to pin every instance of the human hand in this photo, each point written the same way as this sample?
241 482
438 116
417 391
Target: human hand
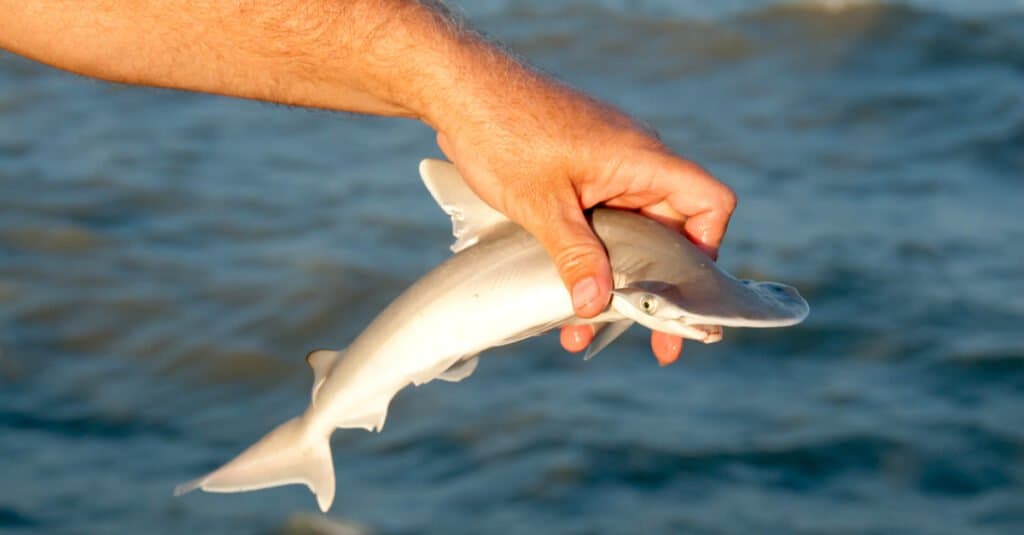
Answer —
531 147
559 152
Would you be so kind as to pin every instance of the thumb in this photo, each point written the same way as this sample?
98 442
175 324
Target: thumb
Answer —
553 216
580 257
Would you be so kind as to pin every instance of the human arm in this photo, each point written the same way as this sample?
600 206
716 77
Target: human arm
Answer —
535 149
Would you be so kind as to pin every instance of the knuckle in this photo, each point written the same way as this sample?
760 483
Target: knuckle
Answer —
719 197
728 199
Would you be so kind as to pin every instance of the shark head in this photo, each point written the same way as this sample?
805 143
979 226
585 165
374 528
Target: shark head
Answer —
698 307
654 307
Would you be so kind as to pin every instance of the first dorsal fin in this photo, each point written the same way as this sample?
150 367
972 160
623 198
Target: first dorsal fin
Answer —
321 360
472 218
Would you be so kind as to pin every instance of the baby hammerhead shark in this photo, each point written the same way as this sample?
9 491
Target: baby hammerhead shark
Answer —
499 287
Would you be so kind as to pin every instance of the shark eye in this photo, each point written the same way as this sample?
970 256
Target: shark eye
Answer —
649 303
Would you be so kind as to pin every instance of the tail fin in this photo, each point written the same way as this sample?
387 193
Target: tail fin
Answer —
292 453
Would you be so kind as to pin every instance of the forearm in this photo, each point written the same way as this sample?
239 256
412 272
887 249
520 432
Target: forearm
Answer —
531 147
386 57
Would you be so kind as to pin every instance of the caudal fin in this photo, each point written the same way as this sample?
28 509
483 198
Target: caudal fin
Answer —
290 454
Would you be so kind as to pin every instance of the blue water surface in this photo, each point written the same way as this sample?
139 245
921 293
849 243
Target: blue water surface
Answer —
167 259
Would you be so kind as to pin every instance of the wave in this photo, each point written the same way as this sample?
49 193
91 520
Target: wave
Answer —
721 9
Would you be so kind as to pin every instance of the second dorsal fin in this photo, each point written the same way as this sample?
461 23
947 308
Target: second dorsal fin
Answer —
321 361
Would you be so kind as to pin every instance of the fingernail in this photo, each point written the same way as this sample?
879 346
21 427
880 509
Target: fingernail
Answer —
584 292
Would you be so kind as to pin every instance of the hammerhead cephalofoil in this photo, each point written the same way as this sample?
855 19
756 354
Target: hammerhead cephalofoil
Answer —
499 287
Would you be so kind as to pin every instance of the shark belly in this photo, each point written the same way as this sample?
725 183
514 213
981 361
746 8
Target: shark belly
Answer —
482 298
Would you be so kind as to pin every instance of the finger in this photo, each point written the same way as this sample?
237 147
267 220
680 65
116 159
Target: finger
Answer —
688 198
551 212
664 213
707 229
707 203
576 338
666 347
579 256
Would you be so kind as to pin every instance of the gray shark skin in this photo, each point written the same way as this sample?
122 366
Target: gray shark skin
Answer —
500 287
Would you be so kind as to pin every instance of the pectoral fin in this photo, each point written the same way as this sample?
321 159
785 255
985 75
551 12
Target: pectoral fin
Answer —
606 334
460 370
370 421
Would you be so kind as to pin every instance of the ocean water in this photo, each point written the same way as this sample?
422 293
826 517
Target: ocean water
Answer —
167 259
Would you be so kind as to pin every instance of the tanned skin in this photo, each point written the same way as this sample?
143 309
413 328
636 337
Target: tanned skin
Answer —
535 149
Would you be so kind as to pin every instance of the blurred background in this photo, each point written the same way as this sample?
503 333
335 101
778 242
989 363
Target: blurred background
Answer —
167 259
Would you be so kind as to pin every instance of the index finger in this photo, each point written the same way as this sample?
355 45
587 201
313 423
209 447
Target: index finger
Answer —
706 205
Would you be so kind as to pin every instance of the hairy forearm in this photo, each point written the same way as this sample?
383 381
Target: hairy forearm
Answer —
386 57
535 149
